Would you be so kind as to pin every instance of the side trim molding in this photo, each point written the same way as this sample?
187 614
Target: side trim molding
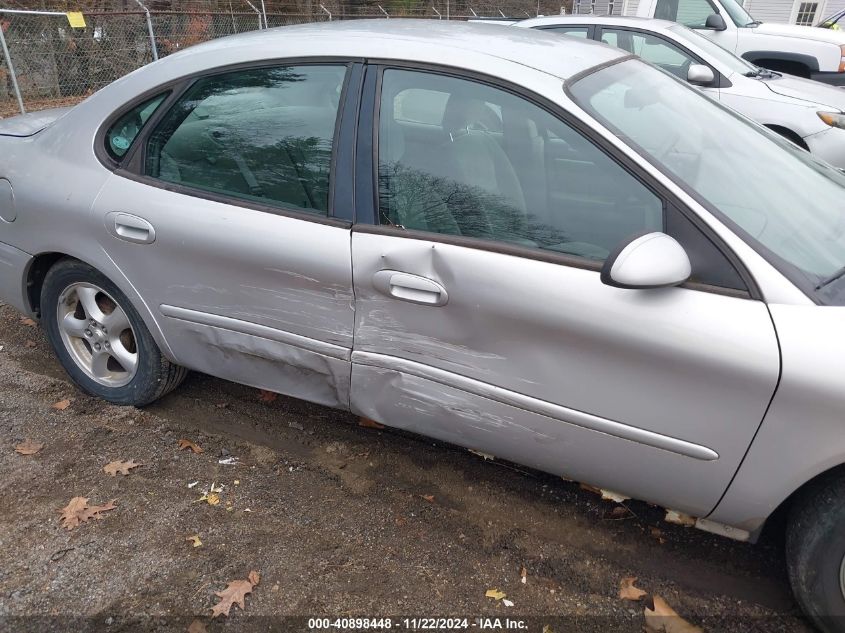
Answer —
535 405
255 329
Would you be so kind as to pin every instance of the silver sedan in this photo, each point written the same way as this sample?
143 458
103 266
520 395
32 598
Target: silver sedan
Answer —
536 247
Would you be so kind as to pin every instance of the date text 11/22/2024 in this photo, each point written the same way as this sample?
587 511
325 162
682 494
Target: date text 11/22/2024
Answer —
417 624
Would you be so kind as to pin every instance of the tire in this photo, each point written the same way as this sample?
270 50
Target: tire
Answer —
79 305
815 552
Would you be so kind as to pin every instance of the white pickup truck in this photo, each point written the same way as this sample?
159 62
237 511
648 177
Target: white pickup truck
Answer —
798 50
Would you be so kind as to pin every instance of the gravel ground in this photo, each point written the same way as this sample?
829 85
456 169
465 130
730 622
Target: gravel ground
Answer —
339 519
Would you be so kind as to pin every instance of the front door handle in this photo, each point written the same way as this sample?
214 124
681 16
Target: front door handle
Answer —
130 228
413 288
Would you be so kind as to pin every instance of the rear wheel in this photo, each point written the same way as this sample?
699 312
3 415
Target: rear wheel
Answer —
815 552
100 338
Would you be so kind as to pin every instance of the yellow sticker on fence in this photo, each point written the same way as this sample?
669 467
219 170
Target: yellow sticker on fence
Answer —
76 19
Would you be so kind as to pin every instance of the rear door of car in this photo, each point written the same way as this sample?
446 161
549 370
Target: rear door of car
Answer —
481 318
230 215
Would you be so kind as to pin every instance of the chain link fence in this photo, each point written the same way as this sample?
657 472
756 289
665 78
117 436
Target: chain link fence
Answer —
56 64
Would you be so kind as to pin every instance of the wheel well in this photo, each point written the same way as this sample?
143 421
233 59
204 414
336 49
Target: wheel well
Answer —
775 525
789 135
35 277
785 66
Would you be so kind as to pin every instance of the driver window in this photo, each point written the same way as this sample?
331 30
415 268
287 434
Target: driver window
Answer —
462 158
691 13
653 49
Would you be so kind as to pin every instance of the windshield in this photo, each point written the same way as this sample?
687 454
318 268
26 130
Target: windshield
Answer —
713 50
787 204
738 14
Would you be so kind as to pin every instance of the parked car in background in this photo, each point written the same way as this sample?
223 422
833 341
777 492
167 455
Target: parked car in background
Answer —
804 51
808 113
540 248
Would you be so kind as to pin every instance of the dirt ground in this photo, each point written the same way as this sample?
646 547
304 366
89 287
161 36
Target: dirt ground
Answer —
340 520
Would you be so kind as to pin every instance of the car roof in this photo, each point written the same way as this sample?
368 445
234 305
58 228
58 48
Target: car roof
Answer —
652 24
425 41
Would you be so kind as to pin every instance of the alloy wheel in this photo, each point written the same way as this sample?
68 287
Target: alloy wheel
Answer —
97 334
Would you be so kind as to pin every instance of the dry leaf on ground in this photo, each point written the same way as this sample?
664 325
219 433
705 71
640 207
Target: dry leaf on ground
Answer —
627 590
495 594
679 518
367 423
195 540
28 321
61 405
523 575
113 468
429 498
183 444
234 593
267 396
28 447
663 619
78 511
197 626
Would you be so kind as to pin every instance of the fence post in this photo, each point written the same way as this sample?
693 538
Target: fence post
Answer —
153 47
329 13
264 11
257 12
11 68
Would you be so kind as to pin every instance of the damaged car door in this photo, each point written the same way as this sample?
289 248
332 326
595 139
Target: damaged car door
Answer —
223 214
481 318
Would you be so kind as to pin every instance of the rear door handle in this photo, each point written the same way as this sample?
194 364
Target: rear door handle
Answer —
412 288
130 228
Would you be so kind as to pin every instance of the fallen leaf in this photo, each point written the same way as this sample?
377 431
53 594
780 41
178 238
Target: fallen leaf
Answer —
234 593
197 626
590 488
267 396
183 444
28 321
663 619
507 603
28 447
195 540
61 405
212 498
609 495
429 498
495 594
523 575
30 344
627 590
673 516
367 423
78 511
113 468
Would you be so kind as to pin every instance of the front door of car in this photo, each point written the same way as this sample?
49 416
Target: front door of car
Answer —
481 318
222 221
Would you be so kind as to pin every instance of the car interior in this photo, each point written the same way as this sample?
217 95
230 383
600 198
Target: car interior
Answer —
462 158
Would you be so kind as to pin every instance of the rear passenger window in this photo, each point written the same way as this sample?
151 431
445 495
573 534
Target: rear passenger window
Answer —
122 134
263 135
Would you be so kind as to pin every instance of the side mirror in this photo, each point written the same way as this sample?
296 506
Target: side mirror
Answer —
700 74
715 22
653 260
